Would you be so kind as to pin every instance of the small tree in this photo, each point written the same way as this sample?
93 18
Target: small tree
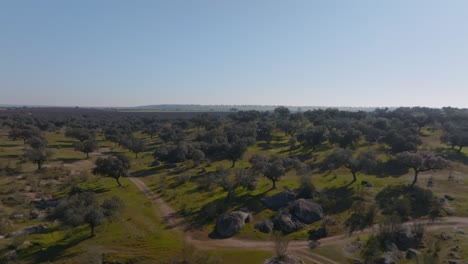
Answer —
38 156
344 157
274 171
135 145
86 146
422 161
235 151
114 167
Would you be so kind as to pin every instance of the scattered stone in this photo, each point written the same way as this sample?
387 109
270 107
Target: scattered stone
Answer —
278 200
285 260
10 255
307 211
405 238
264 226
390 246
287 223
28 231
231 223
353 247
458 231
358 261
412 254
367 183
449 197
454 255
445 236
455 249
313 244
453 262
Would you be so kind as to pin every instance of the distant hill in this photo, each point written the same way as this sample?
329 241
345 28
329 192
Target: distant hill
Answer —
231 108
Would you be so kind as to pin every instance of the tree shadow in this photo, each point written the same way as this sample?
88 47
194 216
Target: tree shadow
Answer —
61 146
57 251
267 146
67 160
148 171
212 210
452 155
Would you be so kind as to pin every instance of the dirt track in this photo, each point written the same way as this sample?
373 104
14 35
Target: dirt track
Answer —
298 248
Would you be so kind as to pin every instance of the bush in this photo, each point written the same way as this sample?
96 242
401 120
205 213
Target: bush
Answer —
405 201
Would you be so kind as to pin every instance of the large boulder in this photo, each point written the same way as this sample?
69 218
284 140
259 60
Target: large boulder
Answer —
264 226
28 231
306 211
287 223
231 223
278 200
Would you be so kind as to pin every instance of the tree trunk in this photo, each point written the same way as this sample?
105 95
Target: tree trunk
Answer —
416 172
136 155
460 148
39 165
354 176
92 230
118 182
233 163
274 184
87 155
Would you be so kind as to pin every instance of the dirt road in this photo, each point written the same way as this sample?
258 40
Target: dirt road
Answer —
298 248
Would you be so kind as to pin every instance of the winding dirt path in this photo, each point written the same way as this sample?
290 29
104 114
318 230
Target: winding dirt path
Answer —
298 248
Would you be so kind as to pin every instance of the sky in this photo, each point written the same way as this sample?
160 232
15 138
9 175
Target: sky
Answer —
262 52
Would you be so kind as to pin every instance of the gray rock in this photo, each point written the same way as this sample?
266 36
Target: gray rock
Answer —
318 233
445 236
313 244
10 255
285 260
367 183
231 223
449 197
287 223
454 255
306 211
392 257
353 247
405 238
455 249
358 261
278 200
453 262
28 231
412 254
458 231
264 226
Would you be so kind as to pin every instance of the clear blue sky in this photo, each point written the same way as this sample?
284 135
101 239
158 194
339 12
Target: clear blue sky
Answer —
327 53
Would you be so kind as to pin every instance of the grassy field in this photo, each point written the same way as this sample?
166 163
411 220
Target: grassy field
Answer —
139 235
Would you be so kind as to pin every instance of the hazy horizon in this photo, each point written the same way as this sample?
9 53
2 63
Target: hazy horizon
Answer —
294 53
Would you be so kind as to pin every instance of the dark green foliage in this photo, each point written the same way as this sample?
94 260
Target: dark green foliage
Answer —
313 137
306 189
81 134
83 208
422 161
114 167
405 201
38 156
135 145
365 160
456 135
86 146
